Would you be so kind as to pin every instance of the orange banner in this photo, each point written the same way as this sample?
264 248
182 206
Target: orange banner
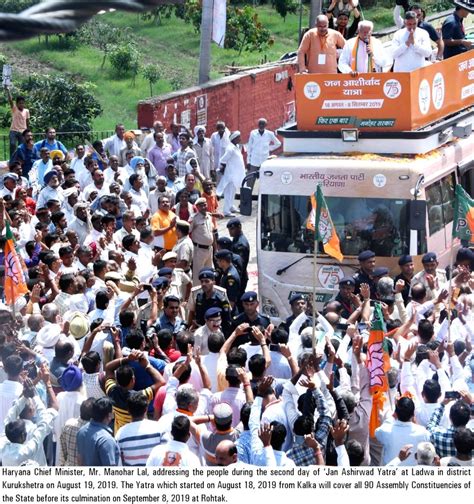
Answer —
400 101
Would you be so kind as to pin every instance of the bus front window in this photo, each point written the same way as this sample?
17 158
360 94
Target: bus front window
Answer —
361 223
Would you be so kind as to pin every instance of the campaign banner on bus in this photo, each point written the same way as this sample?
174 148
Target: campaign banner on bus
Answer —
401 101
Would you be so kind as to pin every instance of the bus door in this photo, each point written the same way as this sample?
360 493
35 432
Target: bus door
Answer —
440 212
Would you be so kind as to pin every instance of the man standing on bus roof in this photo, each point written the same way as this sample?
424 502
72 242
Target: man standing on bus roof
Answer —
453 33
318 49
261 143
365 273
407 271
424 25
411 46
349 301
363 53
432 277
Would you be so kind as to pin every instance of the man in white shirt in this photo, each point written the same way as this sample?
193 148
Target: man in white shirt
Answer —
116 143
149 141
10 182
411 46
11 388
52 191
97 187
77 162
175 452
233 172
219 141
363 53
394 434
261 143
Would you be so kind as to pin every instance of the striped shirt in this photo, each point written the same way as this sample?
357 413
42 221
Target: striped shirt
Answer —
136 441
119 396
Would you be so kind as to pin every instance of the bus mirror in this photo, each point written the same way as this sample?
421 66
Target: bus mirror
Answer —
417 215
246 201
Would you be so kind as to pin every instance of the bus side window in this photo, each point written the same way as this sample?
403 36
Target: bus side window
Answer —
434 202
447 194
439 199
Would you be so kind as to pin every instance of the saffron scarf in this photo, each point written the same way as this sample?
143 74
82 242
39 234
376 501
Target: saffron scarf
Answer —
355 51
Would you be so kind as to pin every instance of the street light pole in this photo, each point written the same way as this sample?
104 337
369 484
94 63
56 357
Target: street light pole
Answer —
315 10
206 34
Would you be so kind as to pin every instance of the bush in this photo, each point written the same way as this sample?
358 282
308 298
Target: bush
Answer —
124 59
60 102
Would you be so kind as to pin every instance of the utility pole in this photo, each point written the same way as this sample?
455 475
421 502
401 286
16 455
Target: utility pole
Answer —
206 34
314 11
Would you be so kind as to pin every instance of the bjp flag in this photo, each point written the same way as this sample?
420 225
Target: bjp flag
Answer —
15 284
463 225
378 363
320 222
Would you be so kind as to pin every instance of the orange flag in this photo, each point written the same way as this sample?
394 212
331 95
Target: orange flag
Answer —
321 223
15 284
378 363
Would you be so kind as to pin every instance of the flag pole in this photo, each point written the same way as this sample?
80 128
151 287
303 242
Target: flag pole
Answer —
450 286
315 269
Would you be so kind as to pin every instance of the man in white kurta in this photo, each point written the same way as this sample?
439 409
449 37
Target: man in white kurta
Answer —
411 46
232 164
368 56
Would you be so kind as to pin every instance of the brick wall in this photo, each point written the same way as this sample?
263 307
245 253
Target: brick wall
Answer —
239 100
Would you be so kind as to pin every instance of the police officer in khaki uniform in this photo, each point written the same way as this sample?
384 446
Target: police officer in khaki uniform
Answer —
208 295
201 231
230 279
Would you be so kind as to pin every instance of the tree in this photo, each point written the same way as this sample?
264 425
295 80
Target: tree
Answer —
103 36
157 14
60 102
125 59
151 73
285 7
244 31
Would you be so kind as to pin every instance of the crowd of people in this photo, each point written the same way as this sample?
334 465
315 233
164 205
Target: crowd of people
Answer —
138 343
337 44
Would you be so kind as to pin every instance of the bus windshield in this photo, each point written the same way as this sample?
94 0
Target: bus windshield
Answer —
377 224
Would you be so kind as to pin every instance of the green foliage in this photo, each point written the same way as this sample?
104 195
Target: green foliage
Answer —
103 36
285 7
244 31
151 73
125 59
62 102
190 12
16 5
157 14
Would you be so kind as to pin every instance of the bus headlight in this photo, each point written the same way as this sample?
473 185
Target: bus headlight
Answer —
269 308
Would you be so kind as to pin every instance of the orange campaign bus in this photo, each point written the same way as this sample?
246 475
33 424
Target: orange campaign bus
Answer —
387 151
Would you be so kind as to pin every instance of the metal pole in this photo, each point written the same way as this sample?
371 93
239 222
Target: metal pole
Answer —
205 48
315 269
300 22
315 10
